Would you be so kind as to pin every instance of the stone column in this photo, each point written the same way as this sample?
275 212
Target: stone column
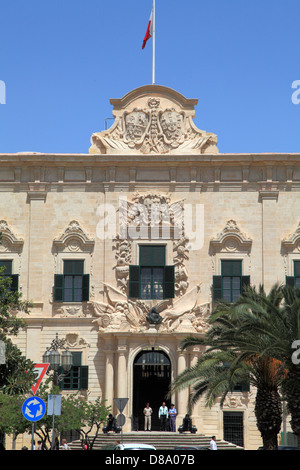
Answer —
122 369
182 396
109 377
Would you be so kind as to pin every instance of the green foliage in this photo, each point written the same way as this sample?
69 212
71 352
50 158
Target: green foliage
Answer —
11 417
16 376
77 414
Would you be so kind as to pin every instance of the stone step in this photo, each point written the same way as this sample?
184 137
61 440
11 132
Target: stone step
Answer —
161 440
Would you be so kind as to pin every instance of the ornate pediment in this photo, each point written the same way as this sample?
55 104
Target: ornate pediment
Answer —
292 242
231 239
74 238
9 241
153 119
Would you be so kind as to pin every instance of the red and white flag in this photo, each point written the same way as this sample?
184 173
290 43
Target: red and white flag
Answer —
149 31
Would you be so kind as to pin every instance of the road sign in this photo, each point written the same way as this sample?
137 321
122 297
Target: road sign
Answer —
40 370
2 352
54 405
121 420
33 408
120 403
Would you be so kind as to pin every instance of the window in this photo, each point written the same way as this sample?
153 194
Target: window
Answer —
151 279
73 284
77 378
294 281
229 285
233 429
7 272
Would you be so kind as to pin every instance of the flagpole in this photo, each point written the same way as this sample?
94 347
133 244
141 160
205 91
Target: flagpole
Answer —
153 44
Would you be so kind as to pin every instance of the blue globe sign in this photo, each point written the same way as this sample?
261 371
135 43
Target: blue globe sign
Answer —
33 408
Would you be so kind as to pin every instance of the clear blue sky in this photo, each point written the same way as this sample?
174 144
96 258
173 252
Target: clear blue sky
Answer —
62 60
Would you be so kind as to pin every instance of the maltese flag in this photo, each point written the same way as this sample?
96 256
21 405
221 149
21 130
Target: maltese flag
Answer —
149 31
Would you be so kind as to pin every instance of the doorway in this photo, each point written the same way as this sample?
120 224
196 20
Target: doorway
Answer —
151 382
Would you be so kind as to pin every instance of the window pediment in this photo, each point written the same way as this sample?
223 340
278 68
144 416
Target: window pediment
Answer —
73 239
231 239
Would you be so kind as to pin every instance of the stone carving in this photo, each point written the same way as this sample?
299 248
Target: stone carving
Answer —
162 123
181 276
118 313
231 239
154 317
155 215
9 241
292 241
74 238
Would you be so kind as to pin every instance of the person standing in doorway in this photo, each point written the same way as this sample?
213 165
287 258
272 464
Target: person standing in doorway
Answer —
147 414
213 444
172 417
163 416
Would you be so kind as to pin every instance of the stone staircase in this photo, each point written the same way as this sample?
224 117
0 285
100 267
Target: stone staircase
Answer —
161 440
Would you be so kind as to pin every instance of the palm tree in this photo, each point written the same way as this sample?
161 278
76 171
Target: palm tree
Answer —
280 328
232 339
283 331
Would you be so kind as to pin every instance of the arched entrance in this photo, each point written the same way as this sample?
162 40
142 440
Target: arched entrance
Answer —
151 381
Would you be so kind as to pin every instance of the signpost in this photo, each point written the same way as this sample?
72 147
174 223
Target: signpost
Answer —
120 404
40 370
2 352
54 409
33 409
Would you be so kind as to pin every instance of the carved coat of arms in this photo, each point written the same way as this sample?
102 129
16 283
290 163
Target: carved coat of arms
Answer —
155 125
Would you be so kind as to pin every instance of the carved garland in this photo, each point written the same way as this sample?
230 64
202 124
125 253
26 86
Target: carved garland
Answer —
167 216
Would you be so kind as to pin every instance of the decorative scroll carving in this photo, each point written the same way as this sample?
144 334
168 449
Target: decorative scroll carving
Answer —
74 239
231 239
118 313
9 242
292 242
160 124
156 215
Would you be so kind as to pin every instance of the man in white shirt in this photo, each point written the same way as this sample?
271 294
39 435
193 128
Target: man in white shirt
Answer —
213 444
147 413
163 416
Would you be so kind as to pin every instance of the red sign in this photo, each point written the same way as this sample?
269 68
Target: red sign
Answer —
40 370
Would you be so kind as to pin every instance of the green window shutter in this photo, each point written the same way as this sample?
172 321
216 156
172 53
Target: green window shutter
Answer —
14 282
245 387
217 287
58 287
73 267
84 377
85 287
134 282
145 255
245 282
290 281
231 267
297 268
152 255
7 265
169 282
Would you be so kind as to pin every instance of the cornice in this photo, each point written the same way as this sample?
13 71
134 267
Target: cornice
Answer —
44 159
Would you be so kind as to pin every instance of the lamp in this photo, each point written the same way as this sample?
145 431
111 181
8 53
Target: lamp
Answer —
53 357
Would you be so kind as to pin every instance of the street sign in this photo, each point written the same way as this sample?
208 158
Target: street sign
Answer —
2 352
121 420
120 403
33 408
54 405
40 370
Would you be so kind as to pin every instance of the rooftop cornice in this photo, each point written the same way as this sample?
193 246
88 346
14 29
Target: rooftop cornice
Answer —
90 159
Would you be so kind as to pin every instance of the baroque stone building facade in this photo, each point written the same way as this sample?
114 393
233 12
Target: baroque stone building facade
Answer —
122 251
